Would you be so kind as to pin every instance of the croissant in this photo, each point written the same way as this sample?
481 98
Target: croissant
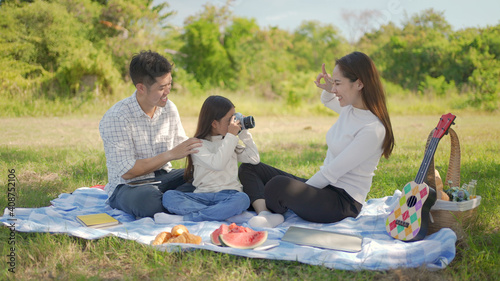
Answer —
179 234
179 229
185 237
193 239
161 238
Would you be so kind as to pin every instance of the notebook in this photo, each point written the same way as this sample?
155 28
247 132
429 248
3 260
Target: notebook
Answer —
143 182
323 239
101 220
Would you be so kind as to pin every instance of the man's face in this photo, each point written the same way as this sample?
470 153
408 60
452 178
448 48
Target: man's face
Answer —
157 94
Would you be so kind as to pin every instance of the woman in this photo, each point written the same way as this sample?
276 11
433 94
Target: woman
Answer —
361 135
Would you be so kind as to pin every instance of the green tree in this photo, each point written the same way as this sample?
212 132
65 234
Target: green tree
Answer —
239 42
261 59
473 64
206 57
47 41
372 43
460 62
491 39
315 43
272 63
125 27
63 44
420 49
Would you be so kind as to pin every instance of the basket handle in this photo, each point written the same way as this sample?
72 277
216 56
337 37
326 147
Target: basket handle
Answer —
453 173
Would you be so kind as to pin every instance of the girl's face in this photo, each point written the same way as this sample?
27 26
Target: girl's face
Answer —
348 93
220 127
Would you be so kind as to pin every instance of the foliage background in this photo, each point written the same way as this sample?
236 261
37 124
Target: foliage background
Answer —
64 56
70 57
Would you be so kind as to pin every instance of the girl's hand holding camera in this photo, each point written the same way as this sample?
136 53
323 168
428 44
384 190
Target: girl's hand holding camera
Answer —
234 126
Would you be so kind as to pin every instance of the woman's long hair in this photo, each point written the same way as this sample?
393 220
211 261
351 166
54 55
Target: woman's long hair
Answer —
214 108
356 66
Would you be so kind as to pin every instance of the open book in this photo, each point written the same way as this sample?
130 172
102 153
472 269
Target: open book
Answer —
101 220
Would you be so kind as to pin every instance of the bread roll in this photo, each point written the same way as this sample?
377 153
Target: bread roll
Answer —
161 238
178 230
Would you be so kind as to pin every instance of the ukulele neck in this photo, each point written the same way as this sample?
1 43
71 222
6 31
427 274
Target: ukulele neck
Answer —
429 154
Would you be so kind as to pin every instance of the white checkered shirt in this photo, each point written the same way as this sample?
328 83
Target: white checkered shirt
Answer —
129 134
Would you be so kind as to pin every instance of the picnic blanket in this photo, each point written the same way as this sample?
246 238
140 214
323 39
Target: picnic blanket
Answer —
379 250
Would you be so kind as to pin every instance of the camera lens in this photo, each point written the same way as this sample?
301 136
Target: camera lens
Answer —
248 122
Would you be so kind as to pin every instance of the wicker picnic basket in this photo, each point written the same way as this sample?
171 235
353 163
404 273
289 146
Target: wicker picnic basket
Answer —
454 215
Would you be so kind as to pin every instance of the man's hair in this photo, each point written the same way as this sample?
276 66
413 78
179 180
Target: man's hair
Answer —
146 66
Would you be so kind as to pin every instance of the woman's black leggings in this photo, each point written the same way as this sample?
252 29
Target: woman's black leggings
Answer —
283 191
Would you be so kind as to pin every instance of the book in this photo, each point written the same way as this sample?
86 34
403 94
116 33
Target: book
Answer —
143 182
101 220
323 239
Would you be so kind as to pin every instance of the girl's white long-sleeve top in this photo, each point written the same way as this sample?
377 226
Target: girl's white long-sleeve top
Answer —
354 150
216 162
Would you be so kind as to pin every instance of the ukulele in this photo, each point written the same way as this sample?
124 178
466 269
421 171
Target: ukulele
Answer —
409 220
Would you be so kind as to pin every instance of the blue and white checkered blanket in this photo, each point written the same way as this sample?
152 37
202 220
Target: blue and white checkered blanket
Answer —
379 250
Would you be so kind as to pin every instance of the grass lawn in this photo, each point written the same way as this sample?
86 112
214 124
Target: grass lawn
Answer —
52 155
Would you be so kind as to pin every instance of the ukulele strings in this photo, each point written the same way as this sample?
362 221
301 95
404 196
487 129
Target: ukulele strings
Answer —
427 160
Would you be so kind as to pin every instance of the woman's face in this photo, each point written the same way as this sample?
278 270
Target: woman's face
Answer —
348 93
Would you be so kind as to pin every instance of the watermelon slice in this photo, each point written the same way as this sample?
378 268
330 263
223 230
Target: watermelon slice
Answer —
214 237
224 229
234 228
243 240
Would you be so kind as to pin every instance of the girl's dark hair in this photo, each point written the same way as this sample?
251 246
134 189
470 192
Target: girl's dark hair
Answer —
214 108
146 66
356 66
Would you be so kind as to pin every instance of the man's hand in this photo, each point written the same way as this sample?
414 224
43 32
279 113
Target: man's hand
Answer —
328 85
184 149
149 165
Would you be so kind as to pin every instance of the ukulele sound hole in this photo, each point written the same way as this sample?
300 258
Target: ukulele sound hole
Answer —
411 201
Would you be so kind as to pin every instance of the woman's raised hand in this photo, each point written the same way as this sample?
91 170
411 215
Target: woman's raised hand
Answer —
328 85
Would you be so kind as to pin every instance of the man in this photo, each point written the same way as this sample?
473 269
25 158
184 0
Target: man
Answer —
141 135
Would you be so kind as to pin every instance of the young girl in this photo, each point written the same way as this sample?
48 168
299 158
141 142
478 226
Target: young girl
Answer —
214 169
360 136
